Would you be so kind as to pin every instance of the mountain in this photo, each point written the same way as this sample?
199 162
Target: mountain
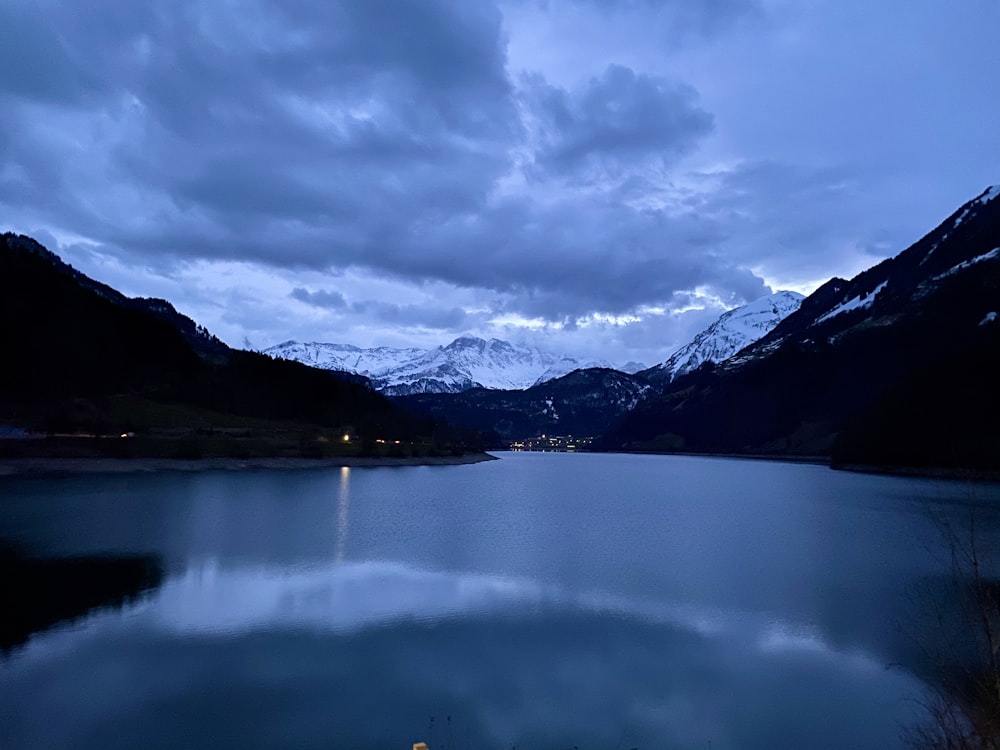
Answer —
733 331
893 367
467 362
344 357
632 367
63 334
591 398
198 336
82 358
581 403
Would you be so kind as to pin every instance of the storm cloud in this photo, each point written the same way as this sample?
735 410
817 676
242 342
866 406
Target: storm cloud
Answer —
428 147
618 120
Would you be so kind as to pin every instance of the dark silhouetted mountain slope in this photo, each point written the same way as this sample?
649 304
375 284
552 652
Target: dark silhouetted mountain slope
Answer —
901 337
70 344
582 403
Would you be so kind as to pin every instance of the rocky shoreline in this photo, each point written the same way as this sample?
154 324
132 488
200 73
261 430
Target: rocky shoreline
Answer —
63 466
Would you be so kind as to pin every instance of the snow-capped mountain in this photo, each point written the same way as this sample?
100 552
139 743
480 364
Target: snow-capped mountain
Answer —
894 367
734 330
964 246
367 362
566 365
583 403
467 362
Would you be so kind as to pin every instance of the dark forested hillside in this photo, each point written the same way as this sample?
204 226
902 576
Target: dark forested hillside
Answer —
896 366
582 403
61 339
80 356
945 415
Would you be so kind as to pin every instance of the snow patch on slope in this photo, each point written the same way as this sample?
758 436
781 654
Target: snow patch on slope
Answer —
861 302
995 252
982 200
733 331
566 365
990 194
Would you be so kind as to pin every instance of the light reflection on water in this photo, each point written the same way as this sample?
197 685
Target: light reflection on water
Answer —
343 505
543 601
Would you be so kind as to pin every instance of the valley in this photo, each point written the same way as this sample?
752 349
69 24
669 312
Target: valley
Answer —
893 368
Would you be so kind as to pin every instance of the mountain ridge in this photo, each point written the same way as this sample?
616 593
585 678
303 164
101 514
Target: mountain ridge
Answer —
197 335
581 403
733 330
831 375
87 362
470 362
465 363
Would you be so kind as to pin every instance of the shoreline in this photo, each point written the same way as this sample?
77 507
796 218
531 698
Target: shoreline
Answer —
815 460
30 466
50 466
916 472
922 472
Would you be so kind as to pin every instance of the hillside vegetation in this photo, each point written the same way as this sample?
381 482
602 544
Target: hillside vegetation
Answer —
83 361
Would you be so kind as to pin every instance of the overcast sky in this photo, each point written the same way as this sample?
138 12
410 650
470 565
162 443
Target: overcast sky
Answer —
602 178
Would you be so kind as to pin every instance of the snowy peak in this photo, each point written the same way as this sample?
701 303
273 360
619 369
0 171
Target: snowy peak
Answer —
467 362
367 362
566 365
733 331
471 362
964 245
894 367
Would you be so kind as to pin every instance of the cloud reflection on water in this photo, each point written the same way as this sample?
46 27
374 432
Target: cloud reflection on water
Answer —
546 604
351 597
361 654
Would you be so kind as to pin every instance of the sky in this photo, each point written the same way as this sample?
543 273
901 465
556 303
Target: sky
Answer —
597 178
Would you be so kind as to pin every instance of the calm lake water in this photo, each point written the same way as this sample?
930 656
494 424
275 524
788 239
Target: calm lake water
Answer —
540 601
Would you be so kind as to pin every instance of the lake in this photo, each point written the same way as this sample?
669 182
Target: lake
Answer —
539 601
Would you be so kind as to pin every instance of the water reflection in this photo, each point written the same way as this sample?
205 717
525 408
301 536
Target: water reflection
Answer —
544 601
349 597
361 655
338 598
40 593
343 502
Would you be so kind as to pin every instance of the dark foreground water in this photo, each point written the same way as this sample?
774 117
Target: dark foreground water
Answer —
541 601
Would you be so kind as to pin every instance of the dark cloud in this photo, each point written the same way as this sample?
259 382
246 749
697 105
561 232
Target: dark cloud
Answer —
257 113
770 209
395 139
339 135
379 312
421 316
331 300
34 62
670 18
618 119
576 257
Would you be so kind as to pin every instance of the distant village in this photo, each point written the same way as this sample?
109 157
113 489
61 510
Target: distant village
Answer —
553 444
